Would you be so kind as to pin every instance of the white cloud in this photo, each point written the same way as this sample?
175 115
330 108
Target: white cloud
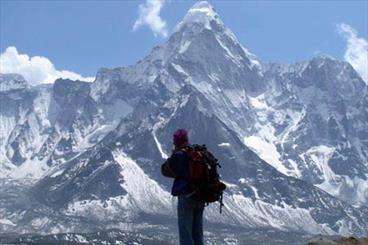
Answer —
356 51
149 14
36 69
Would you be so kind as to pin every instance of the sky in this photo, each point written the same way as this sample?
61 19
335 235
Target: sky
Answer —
44 40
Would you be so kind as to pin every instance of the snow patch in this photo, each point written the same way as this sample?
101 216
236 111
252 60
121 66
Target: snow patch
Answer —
163 154
159 124
6 222
79 238
244 211
30 169
179 69
258 102
143 195
267 151
319 156
184 46
57 173
234 57
296 118
142 190
242 180
7 125
254 62
296 172
255 191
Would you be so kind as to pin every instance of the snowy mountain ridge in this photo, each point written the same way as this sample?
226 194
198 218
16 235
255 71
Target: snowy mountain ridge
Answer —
281 132
10 82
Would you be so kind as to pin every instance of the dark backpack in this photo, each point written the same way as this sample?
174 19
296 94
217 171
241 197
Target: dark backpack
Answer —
203 177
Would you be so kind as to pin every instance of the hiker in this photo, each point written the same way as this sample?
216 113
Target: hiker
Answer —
190 212
196 184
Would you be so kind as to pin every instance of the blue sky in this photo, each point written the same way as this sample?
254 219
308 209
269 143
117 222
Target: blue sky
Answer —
82 36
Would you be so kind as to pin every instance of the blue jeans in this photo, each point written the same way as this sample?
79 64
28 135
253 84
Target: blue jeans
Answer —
190 220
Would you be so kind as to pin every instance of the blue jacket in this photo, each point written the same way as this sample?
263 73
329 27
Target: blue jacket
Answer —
179 165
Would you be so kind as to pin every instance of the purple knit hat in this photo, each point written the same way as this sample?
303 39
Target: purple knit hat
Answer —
180 137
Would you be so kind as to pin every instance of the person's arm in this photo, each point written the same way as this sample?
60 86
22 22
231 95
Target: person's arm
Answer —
166 170
179 164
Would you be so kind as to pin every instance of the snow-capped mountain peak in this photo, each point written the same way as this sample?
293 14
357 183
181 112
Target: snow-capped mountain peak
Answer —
201 13
202 38
202 16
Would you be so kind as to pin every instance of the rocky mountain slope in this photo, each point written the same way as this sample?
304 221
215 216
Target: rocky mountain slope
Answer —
292 140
